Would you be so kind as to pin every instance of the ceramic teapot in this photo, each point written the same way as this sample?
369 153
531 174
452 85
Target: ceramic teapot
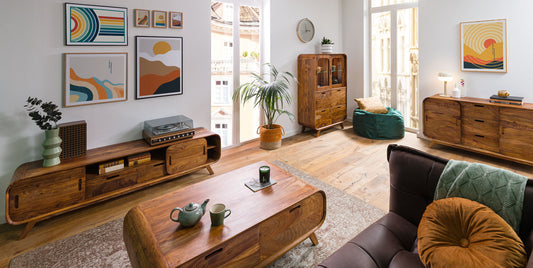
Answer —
190 214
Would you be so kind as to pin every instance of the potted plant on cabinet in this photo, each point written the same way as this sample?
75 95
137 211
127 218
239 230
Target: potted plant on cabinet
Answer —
326 45
47 122
270 95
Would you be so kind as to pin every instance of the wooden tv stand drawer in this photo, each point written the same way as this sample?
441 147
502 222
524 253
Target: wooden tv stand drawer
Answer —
37 193
478 125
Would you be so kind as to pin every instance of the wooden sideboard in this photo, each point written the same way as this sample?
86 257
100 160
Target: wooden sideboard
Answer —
321 91
37 193
478 125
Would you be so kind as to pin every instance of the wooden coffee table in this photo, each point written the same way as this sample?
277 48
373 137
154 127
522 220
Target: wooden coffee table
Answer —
263 225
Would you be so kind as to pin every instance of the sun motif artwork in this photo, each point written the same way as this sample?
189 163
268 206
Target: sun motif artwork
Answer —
161 47
159 66
483 46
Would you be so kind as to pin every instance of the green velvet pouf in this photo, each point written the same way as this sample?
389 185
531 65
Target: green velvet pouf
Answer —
379 126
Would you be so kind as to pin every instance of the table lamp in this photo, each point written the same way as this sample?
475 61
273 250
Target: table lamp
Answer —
445 77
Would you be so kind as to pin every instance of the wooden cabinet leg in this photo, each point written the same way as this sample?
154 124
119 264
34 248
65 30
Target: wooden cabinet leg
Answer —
29 226
211 172
313 238
431 144
342 125
317 133
303 129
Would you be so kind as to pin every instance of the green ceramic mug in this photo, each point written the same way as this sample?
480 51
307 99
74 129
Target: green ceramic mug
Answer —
218 214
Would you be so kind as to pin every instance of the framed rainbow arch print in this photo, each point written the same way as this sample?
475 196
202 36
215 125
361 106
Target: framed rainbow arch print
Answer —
96 25
484 46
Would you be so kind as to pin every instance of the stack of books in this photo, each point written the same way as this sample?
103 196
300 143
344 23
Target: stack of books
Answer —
113 165
137 159
507 100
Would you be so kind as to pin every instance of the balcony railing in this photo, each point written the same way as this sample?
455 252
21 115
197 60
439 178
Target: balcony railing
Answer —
248 65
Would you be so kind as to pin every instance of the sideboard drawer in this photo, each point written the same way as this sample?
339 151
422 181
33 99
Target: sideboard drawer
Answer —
482 141
151 171
338 113
338 96
479 111
323 99
101 184
322 118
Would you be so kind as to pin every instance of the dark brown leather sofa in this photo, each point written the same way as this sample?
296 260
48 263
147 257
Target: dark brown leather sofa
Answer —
391 241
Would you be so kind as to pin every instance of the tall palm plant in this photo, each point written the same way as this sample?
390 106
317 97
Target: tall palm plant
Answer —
269 91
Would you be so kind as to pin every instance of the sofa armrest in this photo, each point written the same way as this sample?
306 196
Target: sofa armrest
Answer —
413 178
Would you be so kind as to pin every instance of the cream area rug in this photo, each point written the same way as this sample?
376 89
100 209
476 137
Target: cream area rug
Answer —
103 246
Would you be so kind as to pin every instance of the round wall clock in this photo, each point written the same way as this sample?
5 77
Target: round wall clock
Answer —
305 30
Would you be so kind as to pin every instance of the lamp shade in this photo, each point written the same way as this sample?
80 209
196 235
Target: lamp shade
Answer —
445 77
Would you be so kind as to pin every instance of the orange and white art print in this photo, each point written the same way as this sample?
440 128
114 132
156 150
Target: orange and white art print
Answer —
92 78
159 64
484 46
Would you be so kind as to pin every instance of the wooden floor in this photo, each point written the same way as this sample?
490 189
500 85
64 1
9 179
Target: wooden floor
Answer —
338 157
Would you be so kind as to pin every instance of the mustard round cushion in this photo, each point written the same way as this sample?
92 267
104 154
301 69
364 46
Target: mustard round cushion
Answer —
457 232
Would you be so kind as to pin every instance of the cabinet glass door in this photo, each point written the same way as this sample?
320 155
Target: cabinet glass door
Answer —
337 72
322 72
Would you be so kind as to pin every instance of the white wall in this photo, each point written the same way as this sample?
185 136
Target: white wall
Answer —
440 46
285 45
31 57
354 22
31 65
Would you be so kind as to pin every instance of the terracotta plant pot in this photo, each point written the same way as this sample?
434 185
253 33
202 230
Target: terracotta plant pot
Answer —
270 138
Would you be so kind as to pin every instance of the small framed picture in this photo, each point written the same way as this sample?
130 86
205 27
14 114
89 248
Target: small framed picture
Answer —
175 20
92 78
142 18
159 19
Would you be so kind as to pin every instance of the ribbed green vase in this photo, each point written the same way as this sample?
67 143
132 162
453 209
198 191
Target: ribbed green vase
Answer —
52 147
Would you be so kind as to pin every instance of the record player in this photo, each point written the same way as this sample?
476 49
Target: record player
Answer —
168 129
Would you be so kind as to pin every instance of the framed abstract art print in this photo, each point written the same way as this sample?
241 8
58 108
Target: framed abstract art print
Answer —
96 25
159 62
142 18
484 46
175 20
92 78
159 19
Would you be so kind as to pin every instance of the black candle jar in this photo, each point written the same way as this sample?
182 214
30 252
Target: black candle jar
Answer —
264 174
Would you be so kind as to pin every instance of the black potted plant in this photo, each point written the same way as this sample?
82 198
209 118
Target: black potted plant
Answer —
46 115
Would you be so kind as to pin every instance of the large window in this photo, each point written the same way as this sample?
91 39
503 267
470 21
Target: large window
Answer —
394 56
234 122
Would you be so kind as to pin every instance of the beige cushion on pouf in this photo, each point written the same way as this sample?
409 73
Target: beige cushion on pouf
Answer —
372 105
457 232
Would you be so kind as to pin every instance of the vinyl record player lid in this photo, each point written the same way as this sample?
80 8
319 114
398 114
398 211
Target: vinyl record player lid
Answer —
168 120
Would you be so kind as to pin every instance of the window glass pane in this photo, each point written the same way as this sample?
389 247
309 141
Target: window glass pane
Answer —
380 3
407 65
249 22
222 69
381 56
